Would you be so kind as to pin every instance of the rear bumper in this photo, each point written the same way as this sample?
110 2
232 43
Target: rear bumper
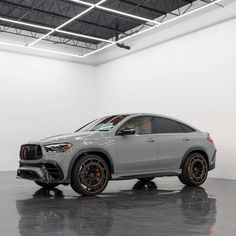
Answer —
48 172
212 164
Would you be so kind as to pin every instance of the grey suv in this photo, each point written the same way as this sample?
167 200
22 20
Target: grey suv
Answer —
127 146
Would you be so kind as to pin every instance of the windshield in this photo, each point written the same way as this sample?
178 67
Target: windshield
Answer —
104 124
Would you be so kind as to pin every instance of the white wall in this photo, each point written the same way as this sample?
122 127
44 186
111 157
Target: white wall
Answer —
192 78
40 97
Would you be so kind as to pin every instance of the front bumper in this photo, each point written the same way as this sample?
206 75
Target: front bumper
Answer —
44 172
44 166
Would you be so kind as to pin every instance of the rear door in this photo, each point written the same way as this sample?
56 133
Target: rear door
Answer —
173 140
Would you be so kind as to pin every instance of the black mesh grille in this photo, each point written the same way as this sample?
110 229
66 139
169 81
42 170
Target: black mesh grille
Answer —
53 170
27 174
30 152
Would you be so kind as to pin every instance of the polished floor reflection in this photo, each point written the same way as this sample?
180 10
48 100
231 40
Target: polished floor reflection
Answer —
159 207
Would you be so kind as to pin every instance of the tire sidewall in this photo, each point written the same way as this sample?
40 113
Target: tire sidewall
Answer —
187 171
75 180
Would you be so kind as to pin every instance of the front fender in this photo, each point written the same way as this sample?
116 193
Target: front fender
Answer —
83 152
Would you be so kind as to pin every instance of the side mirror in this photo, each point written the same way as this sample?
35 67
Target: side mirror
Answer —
127 131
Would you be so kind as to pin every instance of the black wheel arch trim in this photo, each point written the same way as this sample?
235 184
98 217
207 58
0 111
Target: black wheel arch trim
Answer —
194 149
86 151
213 165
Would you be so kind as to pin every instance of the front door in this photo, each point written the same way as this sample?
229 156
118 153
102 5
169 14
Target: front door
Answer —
137 153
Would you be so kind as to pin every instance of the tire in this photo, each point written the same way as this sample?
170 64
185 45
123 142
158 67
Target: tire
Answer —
90 175
194 170
146 179
46 185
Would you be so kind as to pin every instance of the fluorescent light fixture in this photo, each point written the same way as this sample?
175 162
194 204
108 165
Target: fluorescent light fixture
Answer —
136 34
100 49
119 41
191 12
40 49
61 31
24 23
160 23
91 6
56 52
12 44
115 11
84 36
128 15
59 27
67 22
83 3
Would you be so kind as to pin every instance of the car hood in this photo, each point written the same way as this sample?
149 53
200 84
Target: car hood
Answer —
70 137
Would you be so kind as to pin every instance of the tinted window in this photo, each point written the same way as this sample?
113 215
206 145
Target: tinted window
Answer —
163 125
187 129
141 125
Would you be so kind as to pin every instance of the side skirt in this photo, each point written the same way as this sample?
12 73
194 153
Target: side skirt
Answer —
145 175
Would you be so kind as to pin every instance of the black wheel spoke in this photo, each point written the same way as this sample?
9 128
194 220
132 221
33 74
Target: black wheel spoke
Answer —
198 169
93 175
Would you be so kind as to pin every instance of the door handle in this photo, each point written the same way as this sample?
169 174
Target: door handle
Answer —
151 140
186 139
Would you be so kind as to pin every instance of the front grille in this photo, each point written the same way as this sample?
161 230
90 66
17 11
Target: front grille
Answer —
30 152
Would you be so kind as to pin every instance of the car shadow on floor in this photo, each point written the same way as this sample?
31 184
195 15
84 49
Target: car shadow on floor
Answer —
144 210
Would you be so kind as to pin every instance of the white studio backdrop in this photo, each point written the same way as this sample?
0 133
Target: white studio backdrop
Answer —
191 78
40 97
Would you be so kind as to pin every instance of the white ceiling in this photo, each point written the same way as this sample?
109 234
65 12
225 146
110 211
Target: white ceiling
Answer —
185 25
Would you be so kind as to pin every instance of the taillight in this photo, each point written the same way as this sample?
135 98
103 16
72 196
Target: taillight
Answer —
209 138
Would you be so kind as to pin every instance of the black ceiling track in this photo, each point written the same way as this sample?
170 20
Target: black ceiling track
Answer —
97 22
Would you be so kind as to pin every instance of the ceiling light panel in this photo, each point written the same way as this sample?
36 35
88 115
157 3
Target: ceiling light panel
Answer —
50 13
69 43
82 28
105 24
22 34
146 9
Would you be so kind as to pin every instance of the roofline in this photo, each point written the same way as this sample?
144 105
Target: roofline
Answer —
130 115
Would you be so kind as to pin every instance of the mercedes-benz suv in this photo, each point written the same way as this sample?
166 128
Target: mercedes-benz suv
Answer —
118 147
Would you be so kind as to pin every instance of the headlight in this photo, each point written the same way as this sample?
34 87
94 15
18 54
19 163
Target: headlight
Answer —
58 147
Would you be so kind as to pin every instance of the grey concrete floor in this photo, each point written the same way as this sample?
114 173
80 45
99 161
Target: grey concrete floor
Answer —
161 207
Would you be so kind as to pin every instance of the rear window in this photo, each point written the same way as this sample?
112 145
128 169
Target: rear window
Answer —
163 125
187 129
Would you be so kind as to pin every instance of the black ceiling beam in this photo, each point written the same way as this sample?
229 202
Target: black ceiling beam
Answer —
146 8
53 15
189 1
206 1
50 40
101 25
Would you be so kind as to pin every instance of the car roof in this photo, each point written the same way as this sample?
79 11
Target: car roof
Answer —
130 115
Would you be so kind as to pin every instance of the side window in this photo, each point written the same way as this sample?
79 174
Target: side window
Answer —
141 125
164 125
187 129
